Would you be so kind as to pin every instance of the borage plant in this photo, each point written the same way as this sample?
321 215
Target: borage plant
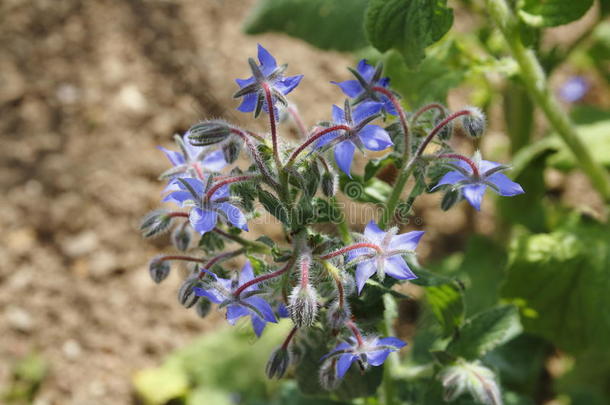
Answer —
332 285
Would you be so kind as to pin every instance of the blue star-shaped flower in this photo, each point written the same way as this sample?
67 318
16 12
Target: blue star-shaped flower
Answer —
192 161
473 185
361 134
372 352
220 291
361 89
204 213
388 259
266 73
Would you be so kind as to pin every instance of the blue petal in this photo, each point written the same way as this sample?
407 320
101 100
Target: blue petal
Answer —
195 184
474 194
406 241
263 307
210 294
258 325
450 178
377 357
507 187
338 115
389 106
350 88
485 165
247 274
179 197
202 220
282 311
235 312
325 139
375 138
365 110
266 60
374 233
192 151
214 162
339 347
364 271
344 154
365 69
396 267
175 158
234 216
248 103
245 82
391 341
287 84
222 192
344 363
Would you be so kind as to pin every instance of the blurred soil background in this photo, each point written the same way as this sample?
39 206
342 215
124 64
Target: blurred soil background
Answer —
87 90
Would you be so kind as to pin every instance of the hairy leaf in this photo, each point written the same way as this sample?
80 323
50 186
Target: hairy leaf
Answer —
550 13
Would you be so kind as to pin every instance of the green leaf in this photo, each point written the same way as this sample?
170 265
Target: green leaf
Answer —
273 206
596 137
371 191
447 304
561 281
157 386
375 165
409 26
485 331
327 24
551 13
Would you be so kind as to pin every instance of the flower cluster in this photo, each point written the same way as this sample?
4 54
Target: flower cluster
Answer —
317 279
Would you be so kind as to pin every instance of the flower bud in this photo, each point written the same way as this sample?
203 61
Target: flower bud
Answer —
329 184
186 293
278 363
158 269
154 223
208 133
450 198
447 131
303 306
181 238
478 380
337 315
328 375
474 123
231 150
203 308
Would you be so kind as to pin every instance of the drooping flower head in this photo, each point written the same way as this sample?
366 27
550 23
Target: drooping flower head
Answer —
192 161
361 89
474 177
205 212
361 134
373 351
221 291
387 257
265 74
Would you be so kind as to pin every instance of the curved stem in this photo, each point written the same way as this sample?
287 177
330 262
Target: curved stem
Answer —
255 155
401 116
437 129
289 338
312 139
255 246
351 247
473 166
221 257
269 101
262 278
426 108
230 180
180 257
356 332
178 214
536 84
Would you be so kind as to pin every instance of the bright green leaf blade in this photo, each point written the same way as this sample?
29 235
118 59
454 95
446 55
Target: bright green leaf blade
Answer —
327 24
447 304
156 386
551 13
596 137
409 26
486 331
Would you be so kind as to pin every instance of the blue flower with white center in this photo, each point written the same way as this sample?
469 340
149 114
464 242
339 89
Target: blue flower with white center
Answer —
192 161
473 177
361 134
372 351
221 291
361 89
204 213
386 258
265 74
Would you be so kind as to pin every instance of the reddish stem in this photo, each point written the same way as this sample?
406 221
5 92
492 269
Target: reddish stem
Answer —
473 166
178 214
230 180
356 332
180 257
254 152
289 338
351 247
305 263
401 115
269 102
264 277
426 108
222 256
437 129
197 167
314 138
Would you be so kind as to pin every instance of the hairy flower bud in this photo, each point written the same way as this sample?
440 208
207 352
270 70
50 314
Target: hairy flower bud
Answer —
231 150
203 308
337 315
329 184
158 269
474 123
447 131
303 306
278 363
328 375
208 133
186 293
181 237
154 223
478 380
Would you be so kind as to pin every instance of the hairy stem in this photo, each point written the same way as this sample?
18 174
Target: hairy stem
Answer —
473 166
427 108
258 160
262 278
180 257
289 338
351 247
224 182
401 116
312 139
272 125
255 246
